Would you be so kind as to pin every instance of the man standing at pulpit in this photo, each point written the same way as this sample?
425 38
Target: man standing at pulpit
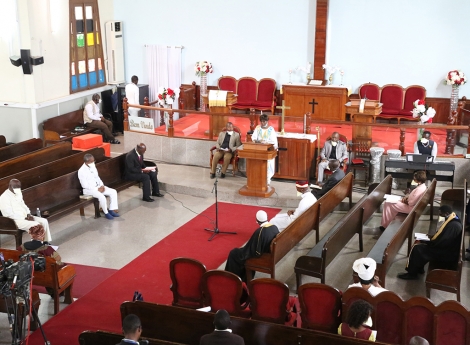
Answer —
226 144
266 134
334 149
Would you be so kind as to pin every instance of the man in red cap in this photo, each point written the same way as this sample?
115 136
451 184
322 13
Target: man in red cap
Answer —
282 220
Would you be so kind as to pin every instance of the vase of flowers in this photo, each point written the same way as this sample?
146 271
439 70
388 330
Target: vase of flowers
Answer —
166 97
455 78
424 113
202 68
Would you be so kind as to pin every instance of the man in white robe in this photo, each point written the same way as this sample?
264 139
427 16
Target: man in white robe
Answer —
282 220
132 95
266 134
12 206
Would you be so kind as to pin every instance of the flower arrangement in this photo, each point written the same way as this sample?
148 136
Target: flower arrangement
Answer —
422 111
166 96
202 68
455 78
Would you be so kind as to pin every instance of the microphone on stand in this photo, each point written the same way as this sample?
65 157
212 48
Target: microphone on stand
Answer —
217 171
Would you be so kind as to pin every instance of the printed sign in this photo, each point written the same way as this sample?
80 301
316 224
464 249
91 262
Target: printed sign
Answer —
141 124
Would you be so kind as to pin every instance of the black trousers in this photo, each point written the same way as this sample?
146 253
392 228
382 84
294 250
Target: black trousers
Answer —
146 179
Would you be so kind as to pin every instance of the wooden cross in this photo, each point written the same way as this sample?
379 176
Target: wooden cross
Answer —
283 107
313 105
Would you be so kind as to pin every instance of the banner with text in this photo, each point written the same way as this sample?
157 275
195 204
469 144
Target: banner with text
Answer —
141 124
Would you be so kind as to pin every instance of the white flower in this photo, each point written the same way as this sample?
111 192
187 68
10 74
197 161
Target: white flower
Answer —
415 103
424 118
169 100
431 112
415 113
161 90
421 108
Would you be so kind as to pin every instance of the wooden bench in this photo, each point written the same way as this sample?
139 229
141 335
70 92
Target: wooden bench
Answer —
109 338
3 141
62 127
314 263
445 276
400 229
300 227
187 326
22 148
58 278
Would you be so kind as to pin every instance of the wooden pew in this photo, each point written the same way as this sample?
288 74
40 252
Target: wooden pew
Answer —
22 148
109 338
400 229
188 326
58 278
33 159
397 321
64 125
314 263
300 227
3 141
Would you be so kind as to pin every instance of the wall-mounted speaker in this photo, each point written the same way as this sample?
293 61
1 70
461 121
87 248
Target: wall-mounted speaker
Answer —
26 61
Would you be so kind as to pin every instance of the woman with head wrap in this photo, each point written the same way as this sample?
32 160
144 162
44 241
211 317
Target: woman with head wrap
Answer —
38 245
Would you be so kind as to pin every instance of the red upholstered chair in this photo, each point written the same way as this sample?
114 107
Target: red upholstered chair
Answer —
370 91
268 300
388 317
186 275
320 307
234 159
225 290
345 164
412 93
266 99
392 99
247 89
452 324
227 84
419 318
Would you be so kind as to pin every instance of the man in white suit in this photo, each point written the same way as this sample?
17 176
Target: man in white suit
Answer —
132 94
228 141
92 185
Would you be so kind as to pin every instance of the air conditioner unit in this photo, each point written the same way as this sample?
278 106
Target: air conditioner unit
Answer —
115 52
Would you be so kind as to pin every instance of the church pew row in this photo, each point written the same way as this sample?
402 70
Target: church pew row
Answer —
448 277
400 229
3 141
397 321
314 263
109 338
187 326
19 149
33 159
60 128
300 227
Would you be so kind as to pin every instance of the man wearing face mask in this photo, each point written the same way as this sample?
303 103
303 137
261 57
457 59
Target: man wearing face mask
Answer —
92 185
282 220
426 146
12 206
266 134
443 246
93 118
226 144
333 149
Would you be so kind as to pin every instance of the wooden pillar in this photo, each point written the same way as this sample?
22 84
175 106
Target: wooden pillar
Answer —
146 111
320 39
450 140
125 107
252 119
401 147
171 129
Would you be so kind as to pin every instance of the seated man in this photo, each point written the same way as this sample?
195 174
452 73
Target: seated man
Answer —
258 244
426 146
136 170
338 175
391 208
334 149
226 144
443 246
222 333
12 206
365 269
282 220
92 185
93 118
131 328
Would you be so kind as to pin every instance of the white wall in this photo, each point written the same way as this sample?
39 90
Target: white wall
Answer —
399 42
257 38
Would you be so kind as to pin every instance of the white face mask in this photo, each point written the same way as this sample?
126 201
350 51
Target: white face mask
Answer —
264 125
334 143
99 101
424 140
229 132
368 323
91 165
17 191
299 193
441 219
414 183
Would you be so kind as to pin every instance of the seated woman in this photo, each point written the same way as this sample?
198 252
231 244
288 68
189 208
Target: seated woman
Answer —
358 318
391 209
38 245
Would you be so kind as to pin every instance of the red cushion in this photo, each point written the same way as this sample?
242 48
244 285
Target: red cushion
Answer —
266 88
321 309
405 113
389 318
243 104
419 322
412 94
357 161
266 104
392 98
246 90
370 91
450 328
389 111
228 84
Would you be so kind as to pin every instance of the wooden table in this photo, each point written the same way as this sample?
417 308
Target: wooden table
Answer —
371 109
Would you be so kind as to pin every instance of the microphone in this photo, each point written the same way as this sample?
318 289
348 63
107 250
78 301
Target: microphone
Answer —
218 169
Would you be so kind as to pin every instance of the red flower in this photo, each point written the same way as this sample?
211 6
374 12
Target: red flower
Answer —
170 92
160 96
421 102
430 120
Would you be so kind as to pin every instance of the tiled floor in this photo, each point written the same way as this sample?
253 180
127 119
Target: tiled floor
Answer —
112 244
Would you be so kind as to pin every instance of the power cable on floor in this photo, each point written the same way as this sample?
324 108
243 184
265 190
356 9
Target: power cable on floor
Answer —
199 214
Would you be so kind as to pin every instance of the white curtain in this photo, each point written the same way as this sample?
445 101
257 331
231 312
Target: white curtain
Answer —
163 70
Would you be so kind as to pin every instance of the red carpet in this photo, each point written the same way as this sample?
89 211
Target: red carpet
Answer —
149 273
194 126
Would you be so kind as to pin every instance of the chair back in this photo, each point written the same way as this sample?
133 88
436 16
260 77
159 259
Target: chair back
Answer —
222 290
186 275
268 300
320 307
227 84
412 93
392 98
266 89
370 91
247 90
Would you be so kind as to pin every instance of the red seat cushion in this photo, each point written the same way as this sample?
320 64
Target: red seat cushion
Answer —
266 104
246 91
228 84
405 113
242 104
266 88
413 93
389 111
369 91
392 99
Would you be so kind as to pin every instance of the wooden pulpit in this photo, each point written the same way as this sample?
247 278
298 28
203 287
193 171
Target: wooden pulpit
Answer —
365 115
219 121
257 156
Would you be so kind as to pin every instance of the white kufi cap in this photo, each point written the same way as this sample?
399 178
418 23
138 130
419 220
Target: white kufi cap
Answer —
365 268
261 216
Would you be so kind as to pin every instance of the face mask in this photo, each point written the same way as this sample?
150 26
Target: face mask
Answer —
414 183
99 101
299 193
17 191
441 219
368 323
424 140
334 143
91 165
229 132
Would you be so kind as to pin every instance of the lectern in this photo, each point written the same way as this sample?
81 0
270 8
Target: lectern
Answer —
257 156
220 121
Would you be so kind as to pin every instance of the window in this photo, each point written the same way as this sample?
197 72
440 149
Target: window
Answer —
86 49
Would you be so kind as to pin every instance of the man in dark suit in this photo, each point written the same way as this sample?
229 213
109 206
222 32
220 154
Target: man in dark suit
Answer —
131 328
136 170
334 178
222 334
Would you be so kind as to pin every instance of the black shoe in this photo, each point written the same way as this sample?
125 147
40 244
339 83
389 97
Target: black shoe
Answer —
148 199
212 175
222 175
157 195
114 141
407 276
382 228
